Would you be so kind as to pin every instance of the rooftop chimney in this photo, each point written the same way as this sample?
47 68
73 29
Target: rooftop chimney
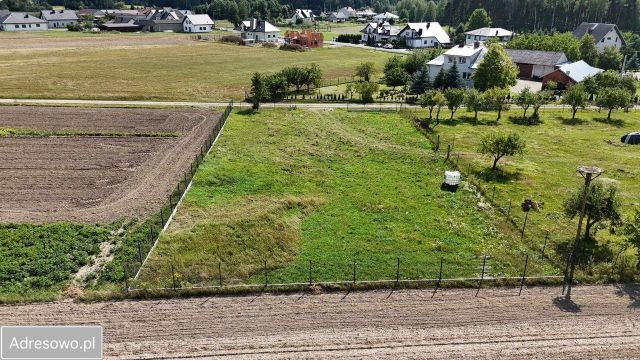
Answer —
53 11
476 44
428 25
461 44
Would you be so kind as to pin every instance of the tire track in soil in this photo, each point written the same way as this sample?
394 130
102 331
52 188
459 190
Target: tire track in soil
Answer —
407 324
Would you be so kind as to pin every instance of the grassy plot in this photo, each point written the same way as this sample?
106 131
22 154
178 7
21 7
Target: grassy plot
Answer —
186 70
547 171
287 187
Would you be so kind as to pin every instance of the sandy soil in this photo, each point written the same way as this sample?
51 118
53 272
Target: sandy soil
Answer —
604 322
95 179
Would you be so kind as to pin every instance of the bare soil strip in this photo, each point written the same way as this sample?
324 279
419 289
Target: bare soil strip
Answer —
604 322
95 179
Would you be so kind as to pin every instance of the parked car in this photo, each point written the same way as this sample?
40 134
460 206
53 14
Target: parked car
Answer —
387 46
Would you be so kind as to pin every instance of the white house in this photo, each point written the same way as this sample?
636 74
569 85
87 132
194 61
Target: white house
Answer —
386 16
306 16
603 34
197 23
365 14
16 21
424 35
258 31
487 33
379 32
59 19
466 57
348 12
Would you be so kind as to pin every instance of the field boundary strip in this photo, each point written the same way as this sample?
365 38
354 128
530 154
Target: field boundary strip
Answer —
221 122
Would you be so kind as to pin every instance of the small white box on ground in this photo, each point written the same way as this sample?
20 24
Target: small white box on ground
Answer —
452 178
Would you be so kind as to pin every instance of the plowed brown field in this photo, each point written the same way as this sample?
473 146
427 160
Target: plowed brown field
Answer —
95 178
604 322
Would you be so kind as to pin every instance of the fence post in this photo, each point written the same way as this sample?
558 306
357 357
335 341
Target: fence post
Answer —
126 278
524 226
139 253
310 278
448 152
354 271
524 273
266 275
546 238
484 263
173 277
220 273
398 272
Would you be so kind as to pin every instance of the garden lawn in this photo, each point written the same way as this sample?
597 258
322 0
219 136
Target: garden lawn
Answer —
547 171
181 69
283 188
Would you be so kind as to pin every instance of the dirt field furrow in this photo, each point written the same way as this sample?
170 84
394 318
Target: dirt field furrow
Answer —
95 178
602 322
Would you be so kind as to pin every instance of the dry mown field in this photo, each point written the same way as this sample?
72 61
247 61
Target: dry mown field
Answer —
88 178
604 322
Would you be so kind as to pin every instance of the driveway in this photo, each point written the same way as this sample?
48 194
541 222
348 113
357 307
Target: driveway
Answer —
534 86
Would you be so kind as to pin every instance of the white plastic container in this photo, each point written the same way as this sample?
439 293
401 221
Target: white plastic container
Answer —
452 178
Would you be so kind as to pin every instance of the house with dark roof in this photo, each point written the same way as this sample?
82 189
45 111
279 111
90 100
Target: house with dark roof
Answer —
59 19
603 34
570 74
122 25
160 20
535 64
424 35
254 30
18 21
304 15
379 32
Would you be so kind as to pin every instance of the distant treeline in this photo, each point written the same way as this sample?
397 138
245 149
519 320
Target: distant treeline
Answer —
561 15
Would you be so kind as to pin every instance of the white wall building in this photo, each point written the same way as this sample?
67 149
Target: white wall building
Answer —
258 31
466 57
197 23
16 21
59 19
424 35
386 16
306 16
486 33
379 32
603 34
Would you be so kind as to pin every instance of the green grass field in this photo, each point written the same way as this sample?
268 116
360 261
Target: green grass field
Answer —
189 70
292 186
547 171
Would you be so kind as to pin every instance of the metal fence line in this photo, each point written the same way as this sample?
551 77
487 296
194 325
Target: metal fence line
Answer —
209 142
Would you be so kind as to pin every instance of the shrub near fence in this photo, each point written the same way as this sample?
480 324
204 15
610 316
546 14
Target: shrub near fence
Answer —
160 220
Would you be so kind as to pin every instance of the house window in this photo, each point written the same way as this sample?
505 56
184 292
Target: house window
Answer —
24 26
608 38
425 42
463 60
37 25
465 75
450 59
602 40
17 26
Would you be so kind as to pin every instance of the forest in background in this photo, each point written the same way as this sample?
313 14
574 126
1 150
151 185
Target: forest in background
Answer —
520 15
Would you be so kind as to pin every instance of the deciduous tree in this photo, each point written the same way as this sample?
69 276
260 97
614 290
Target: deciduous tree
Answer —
455 98
500 145
495 70
612 98
576 97
474 100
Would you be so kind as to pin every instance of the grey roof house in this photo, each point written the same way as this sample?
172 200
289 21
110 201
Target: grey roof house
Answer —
59 19
535 64
603 34
17 21
165 19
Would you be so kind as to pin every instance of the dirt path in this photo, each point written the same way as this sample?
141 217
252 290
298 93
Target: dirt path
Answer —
604 322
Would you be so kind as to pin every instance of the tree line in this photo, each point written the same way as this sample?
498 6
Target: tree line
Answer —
274 87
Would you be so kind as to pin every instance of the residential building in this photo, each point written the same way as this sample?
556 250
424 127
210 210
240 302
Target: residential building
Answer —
466 57
379 32
160 20
386 16
197 23
348 12
337 17
122 25
365 14
306 38
535 64
258 31
18 21
306 16
59 19
487 33
424 35
570 74
603 34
